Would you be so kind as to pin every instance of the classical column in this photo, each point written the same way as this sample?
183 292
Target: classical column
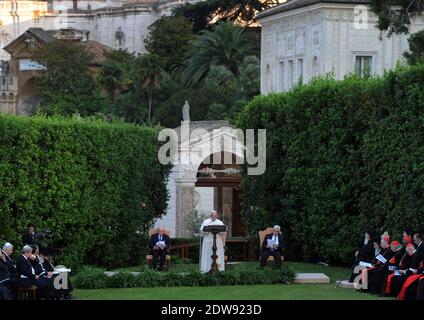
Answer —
184 205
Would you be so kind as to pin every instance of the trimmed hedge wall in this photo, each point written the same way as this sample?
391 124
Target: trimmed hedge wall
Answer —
95 278
342 156
85 179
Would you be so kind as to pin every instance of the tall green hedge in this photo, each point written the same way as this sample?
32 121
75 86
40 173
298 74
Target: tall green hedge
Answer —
341 156
85 179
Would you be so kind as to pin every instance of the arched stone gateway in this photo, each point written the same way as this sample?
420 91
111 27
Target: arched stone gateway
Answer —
205 175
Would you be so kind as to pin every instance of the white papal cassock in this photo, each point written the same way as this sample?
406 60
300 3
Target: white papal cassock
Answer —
207 243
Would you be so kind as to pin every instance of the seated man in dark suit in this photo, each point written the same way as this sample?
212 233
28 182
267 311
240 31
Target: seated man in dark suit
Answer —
272 245
159 247
25 266
6 280
40 271
7 252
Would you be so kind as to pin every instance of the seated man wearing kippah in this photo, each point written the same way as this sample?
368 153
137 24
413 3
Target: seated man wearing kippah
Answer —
272 245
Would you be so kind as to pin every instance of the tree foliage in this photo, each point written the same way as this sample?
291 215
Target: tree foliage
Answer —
203 13
147 74
114 74
227 45
66 85
396 15
168 38
415 54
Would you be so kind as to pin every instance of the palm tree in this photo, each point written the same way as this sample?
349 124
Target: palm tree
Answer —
111 77
226 45
148 74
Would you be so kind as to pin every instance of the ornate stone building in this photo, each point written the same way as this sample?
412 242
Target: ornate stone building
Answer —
115 23
305 38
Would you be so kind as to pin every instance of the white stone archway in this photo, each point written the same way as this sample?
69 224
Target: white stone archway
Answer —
198 140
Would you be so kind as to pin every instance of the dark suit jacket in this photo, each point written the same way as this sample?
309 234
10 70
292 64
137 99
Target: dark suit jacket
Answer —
420 251
28 239
155 238
10 264
281 243
47 265
24 267
4 271
38 267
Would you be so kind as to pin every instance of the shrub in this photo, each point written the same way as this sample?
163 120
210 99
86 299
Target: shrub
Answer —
98 185
88 278
122 280
91 278
342 156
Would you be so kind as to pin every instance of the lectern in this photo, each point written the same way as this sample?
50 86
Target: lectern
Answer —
214 230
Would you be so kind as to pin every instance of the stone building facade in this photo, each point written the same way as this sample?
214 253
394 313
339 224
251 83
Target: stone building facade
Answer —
306 38
114 23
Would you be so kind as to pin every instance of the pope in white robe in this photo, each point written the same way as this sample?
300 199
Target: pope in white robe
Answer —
207 243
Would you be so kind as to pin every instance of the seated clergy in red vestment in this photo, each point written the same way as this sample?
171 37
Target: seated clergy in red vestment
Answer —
409 263
377 281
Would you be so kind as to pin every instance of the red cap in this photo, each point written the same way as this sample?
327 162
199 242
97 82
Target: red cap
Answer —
387 239
407 239
410 245
395 243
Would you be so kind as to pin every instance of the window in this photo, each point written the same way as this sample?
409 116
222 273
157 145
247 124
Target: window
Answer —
290 74
299 70
267 79
282 77
315 67
363 65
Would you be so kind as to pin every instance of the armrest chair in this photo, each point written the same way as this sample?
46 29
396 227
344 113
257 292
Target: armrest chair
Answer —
149 256
262 235
25 293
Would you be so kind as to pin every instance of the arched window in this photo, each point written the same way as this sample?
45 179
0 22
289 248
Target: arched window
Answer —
315 66
267 85
11 96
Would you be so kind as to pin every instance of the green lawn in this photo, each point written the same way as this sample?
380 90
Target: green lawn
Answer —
266 292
